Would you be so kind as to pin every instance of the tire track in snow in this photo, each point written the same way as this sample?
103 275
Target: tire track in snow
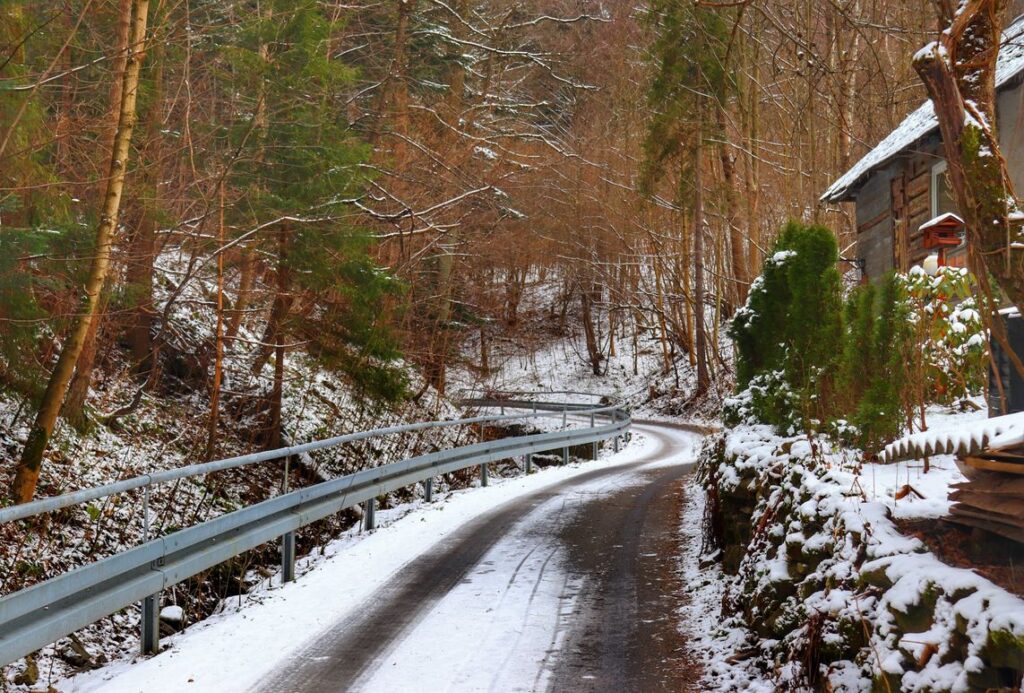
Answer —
345 656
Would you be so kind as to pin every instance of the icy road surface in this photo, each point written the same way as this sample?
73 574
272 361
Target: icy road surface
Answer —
564 580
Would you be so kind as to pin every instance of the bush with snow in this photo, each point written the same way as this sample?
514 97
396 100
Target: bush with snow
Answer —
830 595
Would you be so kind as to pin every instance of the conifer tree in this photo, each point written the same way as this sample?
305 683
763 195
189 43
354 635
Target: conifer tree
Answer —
789 334
29 467
303 163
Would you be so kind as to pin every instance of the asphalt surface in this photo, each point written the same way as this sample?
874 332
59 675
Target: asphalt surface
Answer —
613 534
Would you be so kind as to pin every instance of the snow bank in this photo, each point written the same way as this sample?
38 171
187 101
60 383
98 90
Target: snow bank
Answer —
823 589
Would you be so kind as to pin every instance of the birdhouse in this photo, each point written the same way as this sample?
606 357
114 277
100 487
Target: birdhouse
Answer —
946 231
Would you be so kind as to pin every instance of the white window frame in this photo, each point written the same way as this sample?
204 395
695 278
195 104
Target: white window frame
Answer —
937 171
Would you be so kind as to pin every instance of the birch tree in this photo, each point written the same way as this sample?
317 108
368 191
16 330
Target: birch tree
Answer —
29 466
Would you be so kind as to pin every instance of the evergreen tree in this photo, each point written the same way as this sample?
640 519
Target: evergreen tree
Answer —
789 334
691 81
303 161
35 217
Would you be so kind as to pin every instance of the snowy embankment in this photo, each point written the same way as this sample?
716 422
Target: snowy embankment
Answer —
818 588
257 634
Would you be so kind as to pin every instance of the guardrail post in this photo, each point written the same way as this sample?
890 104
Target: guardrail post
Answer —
529 463
591 419
483 475
428 490
565 455
150 642
151 625
288 557
288 539
595 450
616 444
370 515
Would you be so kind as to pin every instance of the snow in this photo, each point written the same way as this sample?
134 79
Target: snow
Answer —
923 122
172 614
844 511
941 219
276 622
714 641
963 438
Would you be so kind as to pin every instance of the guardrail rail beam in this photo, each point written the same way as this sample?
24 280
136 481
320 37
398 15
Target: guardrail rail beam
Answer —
47 611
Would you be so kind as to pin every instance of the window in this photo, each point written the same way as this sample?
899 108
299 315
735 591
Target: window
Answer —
942 193
942 203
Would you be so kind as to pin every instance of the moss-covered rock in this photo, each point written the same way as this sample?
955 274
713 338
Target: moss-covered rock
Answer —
875 577
886 682
732 556
992 679
917 617
1005 650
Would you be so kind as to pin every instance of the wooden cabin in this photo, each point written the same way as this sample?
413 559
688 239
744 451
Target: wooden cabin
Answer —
900 187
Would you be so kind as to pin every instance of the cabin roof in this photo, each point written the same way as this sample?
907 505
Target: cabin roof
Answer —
923 122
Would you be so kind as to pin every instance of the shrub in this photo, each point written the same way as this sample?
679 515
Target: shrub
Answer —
788 334
954 344
874 382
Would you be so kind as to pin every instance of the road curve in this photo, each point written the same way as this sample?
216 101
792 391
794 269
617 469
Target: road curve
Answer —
570 588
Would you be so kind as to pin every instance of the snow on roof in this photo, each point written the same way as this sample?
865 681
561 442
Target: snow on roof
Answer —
922 122
963 439
938 221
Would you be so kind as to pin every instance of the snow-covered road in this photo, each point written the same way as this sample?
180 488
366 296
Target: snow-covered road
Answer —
562 580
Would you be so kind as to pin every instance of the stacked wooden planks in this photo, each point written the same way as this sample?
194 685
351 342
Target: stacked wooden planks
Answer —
992 498
990 453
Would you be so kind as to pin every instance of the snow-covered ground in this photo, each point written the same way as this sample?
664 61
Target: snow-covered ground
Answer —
715 643
253 636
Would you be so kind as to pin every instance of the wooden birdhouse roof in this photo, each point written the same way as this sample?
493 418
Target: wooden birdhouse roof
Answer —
946 221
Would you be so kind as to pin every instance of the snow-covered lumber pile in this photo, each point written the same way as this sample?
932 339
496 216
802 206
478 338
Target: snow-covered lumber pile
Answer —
992 502
991 455
1001 432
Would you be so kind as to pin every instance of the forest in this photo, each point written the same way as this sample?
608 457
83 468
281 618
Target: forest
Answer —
229 226
196 191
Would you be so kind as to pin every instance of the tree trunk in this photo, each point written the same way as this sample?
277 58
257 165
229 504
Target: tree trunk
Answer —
282 305
28 469
700 340
752 170
144 246
738 285
278 312
593 348
485 359
439 341
248 270
959 73
73 409
397 89
659 293
139 277
218 342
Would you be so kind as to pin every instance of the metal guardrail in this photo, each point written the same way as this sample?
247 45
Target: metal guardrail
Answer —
43 613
